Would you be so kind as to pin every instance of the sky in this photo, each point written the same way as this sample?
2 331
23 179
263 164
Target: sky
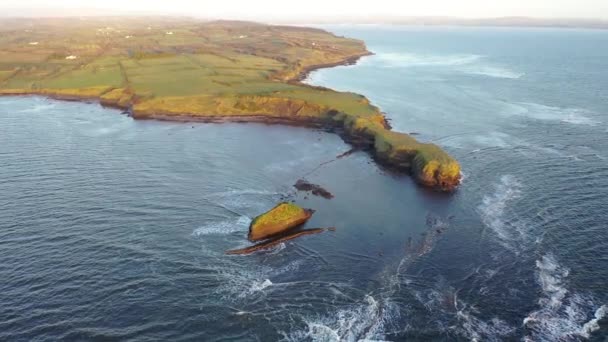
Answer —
302 9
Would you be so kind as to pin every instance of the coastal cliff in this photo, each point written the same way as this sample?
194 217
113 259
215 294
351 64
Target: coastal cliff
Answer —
214 72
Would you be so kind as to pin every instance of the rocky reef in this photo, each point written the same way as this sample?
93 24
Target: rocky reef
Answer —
268 244
315 189
277 220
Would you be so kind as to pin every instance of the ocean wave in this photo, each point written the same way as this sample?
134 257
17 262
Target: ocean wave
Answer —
493 208
365 321
562 314
223 227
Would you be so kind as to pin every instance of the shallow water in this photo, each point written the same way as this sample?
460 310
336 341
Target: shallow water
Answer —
112 228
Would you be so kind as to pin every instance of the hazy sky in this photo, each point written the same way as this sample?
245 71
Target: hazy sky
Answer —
332 8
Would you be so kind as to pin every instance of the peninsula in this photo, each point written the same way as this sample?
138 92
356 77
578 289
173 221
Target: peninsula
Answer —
211 71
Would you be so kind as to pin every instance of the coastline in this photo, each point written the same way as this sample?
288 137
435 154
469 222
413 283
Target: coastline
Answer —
426 163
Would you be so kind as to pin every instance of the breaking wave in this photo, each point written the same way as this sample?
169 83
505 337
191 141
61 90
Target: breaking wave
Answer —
562 314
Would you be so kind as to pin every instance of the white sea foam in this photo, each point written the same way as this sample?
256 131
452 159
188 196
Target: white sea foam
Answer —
481 140
593 324
365 321
492 211
38 108
238 282
492 71
249 202
259 286
223 227
574 116
401 60
440 301
562 314
465 63
476 329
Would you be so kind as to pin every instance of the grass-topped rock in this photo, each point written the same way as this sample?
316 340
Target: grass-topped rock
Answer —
279 219
211 71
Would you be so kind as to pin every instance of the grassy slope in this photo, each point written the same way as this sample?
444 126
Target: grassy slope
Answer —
173 67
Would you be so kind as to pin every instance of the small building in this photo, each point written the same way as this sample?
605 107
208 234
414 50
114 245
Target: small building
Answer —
71 57
33 43
128 37
242 36
169 32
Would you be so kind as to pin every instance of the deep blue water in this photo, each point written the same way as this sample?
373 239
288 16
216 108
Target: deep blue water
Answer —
115 229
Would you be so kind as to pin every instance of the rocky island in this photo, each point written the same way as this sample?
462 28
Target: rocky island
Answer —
211 71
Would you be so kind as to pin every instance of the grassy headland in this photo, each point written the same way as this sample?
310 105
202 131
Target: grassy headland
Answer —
184 69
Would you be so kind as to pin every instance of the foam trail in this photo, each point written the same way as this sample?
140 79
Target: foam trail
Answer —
574 116
464 63
401 60
442 301
492 211
365 321
238 282
38 108
593 324
562 314
259 286
493 71
476 329
223 227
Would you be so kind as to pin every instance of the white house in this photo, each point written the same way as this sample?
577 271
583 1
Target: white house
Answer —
71 57
169 32
33 43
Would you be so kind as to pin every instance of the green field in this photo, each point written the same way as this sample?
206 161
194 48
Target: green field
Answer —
167 67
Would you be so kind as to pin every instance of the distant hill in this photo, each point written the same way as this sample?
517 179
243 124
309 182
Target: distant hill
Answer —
32 12
451 21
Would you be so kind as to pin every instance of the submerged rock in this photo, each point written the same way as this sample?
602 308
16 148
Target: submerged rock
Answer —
272 243
279 219
315 189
